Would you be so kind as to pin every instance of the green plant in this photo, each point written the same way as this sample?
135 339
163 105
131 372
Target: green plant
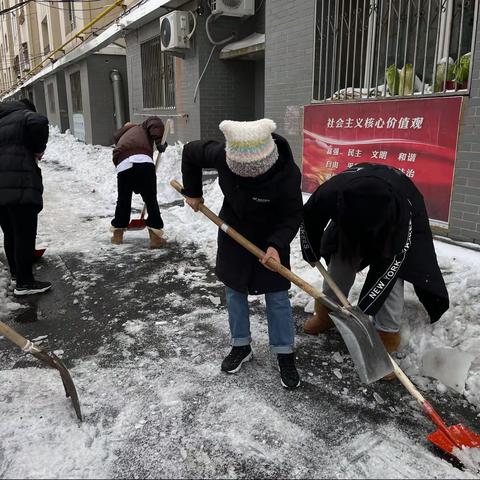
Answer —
393 79
462 68
440 74
407 80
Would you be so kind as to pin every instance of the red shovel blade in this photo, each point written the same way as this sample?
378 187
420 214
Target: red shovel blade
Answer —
461 435
138 224
39 252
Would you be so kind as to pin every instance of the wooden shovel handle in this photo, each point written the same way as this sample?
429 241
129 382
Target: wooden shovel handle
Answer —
13 336
336 290
278 267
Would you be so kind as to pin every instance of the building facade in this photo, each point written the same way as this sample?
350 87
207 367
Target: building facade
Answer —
170 83
285 60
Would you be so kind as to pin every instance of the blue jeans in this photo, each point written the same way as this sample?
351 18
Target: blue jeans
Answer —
279 315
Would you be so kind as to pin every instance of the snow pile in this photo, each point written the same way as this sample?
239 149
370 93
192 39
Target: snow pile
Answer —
6 304
470 457
185 225
459 328
169 169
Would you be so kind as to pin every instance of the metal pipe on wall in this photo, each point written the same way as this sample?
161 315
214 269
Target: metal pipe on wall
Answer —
118 98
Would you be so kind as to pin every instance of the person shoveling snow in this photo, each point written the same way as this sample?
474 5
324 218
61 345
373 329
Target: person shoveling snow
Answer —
133 159
261 185
376 217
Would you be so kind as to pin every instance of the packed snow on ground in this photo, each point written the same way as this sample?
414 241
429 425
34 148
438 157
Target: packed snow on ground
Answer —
6 303
147 400
469 457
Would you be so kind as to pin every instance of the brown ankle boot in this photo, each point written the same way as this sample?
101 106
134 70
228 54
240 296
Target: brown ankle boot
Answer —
320 322
156 238
117 238
391 342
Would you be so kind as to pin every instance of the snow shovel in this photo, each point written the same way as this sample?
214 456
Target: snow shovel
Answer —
140 223
446 438
39 252
49 359
368 353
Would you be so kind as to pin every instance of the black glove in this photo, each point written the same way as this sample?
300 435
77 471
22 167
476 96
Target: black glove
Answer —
162 147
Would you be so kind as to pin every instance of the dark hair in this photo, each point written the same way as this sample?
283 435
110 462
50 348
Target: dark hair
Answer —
355 243
367 214
28 104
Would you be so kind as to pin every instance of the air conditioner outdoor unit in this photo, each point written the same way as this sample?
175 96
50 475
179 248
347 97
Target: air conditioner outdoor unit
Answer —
174 31
233 8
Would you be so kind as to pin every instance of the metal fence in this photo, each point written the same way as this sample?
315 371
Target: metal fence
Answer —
384 48
158 78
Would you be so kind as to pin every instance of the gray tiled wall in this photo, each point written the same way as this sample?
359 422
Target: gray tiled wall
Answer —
288 62
465 207
226 90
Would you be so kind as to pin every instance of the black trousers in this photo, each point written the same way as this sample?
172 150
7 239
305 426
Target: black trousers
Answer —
19 226
142 179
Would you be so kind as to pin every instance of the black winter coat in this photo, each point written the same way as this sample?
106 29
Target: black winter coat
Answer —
22 134
412 256
266 209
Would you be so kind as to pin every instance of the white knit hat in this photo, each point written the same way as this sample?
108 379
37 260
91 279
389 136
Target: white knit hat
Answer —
250 148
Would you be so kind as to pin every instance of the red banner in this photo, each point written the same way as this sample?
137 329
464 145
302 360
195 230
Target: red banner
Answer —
417 136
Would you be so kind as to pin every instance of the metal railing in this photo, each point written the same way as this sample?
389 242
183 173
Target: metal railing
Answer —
384 48
158 77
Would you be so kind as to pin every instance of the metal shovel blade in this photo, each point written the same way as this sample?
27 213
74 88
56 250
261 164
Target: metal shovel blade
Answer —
53 361
369 356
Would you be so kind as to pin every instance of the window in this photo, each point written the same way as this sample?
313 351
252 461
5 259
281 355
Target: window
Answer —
45 36
70 17
26 58
16 66
384 48
51 98
76 91
158 81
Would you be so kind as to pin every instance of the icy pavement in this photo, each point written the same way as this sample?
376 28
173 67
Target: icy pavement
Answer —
143 333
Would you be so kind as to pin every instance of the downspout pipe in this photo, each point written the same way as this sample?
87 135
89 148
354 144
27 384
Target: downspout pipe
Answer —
118 99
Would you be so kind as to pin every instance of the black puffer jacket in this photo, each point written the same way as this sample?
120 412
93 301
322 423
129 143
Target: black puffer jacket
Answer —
266 209
22 134
412 255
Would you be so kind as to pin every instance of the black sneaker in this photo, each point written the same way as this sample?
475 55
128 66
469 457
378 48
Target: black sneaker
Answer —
32 288
234 360
288 372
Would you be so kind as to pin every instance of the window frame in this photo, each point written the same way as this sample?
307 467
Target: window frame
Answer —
51 98
157 95
366 97
77 102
